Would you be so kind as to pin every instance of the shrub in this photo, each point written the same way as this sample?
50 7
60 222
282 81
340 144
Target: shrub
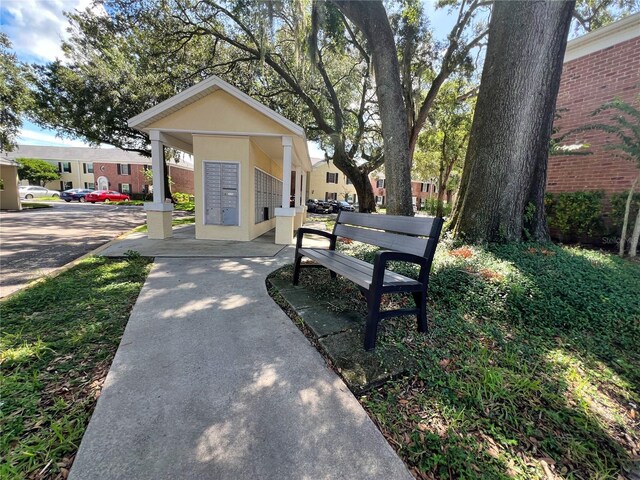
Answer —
179 197
431 204
575 214
618 202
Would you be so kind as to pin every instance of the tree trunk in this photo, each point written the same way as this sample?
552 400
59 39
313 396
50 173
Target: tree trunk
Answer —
504 176
635 236
625 223
371 17
359 176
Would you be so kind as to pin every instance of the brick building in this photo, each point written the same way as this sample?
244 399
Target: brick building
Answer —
420 191
600 66
103 169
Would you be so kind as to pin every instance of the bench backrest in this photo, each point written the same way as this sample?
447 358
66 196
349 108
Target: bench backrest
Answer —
416 235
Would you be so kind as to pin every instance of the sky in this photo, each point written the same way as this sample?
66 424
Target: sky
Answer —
37 28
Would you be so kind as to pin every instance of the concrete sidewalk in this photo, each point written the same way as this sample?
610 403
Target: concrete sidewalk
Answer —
213 381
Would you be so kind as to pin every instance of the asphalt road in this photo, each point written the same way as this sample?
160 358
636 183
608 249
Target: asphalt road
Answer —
35 242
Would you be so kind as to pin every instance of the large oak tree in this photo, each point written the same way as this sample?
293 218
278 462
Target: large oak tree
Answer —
501 195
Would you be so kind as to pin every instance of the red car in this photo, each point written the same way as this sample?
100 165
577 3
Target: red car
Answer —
106 196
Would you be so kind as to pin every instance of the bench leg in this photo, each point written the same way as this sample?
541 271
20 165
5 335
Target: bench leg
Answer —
296 269
333 274
421 304
371 331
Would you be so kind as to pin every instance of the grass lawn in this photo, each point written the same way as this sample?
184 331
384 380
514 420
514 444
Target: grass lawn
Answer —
58 340
531 368
26 205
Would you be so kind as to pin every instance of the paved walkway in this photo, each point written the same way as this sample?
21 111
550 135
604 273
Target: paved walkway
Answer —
184 244
213 381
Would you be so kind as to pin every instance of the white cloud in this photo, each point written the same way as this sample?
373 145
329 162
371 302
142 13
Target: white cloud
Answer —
35 137
36 28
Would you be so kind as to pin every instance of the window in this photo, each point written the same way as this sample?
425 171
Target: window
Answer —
125 188
332 177
87 168
347 181
424 187
64 167
89 185
380 183
124 169
65 185
146 168
330 196
379 200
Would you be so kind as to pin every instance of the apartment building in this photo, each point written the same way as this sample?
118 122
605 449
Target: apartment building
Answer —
103 169
420 191
326 182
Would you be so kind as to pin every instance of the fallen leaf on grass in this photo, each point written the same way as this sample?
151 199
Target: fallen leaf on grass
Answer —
462 252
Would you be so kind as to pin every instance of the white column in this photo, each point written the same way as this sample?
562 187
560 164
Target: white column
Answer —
157 165
287 143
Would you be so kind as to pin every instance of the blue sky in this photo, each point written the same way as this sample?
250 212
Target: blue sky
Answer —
37 28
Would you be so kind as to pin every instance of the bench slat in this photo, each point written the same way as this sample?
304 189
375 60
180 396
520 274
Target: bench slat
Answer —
392 241
392 223
357 271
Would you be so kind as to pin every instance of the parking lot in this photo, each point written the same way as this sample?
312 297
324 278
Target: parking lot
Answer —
36 242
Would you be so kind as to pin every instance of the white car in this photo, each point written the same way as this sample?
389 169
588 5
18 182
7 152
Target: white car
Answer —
33 191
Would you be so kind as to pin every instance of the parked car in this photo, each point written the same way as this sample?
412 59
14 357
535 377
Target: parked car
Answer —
76 194
333 206
317 206
106 196
33 191
346 206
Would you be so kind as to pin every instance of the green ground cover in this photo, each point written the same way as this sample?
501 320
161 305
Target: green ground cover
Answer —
57 342
531 368
26 205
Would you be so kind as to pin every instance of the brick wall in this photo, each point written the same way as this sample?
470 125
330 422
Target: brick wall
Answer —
110 170
416 186
182 178
588 82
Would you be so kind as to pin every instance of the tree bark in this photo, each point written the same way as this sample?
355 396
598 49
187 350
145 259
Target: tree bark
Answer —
504 176
359 175
625 223
371 17
635 236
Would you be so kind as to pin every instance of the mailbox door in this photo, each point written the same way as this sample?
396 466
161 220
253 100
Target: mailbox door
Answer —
221 193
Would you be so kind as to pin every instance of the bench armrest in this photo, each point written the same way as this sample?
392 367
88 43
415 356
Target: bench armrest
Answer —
384 256
302 231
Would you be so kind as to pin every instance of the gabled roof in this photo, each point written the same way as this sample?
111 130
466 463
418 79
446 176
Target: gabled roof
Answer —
200 90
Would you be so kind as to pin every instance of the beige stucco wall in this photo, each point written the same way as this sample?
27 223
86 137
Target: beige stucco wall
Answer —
317 185
249 156
219 111
9 196
223 149
260 160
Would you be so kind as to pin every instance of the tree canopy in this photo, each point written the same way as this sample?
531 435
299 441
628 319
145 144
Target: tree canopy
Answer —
37 171
14 95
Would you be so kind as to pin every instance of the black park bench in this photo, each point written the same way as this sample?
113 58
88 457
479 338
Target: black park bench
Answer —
405 239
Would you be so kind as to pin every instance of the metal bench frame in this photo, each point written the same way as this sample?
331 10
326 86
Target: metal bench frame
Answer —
405 239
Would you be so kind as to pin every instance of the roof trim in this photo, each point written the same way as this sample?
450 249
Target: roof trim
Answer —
200 89
613 34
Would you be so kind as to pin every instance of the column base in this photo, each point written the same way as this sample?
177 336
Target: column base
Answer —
285 218
159 221
299 218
